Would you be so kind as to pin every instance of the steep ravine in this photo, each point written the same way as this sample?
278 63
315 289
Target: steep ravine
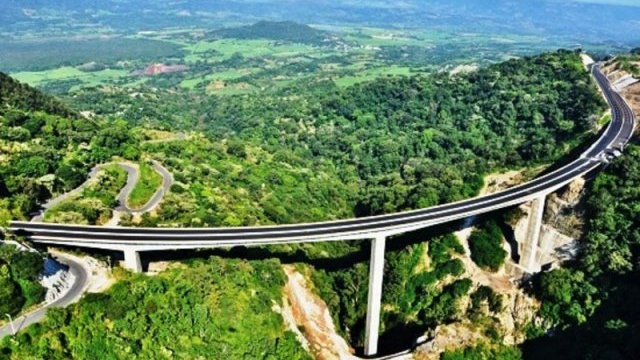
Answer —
307 315
562 225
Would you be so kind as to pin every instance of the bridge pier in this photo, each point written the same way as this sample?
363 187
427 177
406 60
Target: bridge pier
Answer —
530 248
132 260
376 272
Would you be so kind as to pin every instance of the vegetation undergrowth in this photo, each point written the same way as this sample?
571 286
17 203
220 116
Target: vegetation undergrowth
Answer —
147 185
19 275
214 308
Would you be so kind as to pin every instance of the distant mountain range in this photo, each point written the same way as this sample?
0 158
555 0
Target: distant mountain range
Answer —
584 21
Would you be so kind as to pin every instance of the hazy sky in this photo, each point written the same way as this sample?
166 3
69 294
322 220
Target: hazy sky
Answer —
617 2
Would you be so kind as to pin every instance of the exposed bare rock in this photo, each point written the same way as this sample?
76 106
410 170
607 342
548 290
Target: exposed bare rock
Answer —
571 194
446 337
630 90
310 314
57 284
520 309
497 182
157 267
563 211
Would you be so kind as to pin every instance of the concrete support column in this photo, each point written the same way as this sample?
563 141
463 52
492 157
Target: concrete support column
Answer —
376 272
132 260
528 260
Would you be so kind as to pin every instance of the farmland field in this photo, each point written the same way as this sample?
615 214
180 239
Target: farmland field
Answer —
218 64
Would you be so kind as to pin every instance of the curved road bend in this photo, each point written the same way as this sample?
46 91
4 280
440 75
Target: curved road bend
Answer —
133 178
133 175
72 295
167 181
616 135
77 270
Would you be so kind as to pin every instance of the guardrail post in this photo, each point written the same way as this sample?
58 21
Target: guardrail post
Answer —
132 260
376 272
531 245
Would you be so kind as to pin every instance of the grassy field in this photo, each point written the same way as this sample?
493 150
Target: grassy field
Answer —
38 78
147 185
239 66
226 48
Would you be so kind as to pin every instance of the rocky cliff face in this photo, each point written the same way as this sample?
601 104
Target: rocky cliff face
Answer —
308 317
562 226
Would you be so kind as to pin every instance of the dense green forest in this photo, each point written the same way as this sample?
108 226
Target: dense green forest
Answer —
485 244
213 309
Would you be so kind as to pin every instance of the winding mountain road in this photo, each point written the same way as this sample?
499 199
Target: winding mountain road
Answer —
57 200
80 274
132 180
133 176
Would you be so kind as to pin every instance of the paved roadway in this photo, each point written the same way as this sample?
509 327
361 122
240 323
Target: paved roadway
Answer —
617 134
72 295
77 270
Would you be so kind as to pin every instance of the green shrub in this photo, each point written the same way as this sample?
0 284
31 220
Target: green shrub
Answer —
11 300
486 248
483 352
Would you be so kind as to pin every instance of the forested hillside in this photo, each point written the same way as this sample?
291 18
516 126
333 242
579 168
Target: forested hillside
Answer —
309 152
213 309
46 148
20 97
592 304
406 142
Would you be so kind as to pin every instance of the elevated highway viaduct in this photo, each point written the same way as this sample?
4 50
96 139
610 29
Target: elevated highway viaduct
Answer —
132 241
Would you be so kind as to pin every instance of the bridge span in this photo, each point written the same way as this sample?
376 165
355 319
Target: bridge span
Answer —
132 241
